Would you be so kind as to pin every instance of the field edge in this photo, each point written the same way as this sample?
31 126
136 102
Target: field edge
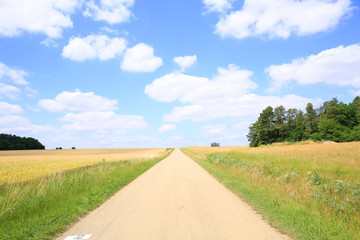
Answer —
43 210
290 219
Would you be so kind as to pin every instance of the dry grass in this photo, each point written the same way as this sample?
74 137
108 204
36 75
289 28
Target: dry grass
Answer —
206 150
323 178
318 155
19 166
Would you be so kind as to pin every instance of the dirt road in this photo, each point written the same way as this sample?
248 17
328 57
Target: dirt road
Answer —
175 199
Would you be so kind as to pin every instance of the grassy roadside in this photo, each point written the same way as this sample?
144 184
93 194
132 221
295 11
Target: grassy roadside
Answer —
41 209
304 205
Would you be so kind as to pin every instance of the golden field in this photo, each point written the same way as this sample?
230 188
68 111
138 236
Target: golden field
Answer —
24 165
346 154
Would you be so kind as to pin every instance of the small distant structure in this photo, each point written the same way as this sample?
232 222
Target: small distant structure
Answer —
215 144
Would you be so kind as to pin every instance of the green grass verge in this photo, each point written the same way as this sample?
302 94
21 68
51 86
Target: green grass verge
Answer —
40 210
293 218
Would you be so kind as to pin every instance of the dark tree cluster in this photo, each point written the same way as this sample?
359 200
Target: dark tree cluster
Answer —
334 121
215 144
12 142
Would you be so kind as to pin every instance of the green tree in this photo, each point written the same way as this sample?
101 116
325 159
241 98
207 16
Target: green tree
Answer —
297 133
290 121
310 120
330 129
13 142
355 134
334 121
329 109
279 121
356 105
254 134
266 121
262 131
346 115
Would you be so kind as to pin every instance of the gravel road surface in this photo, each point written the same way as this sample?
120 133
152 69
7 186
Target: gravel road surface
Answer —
175 199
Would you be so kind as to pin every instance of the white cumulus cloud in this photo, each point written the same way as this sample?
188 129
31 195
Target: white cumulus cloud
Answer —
226 95
140 58
79 102
111 11
94 46
101 121
167 128
185 61
20 125
9 109
243 106
282 18
48 17
229 82
173 86
217 5
338 66
13 121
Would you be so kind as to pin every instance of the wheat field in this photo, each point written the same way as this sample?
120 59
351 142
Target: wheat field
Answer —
25 165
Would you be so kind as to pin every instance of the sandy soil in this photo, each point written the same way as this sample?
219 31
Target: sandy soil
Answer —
175 199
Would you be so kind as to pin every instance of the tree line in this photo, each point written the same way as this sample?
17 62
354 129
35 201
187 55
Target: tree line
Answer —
13 142
334 121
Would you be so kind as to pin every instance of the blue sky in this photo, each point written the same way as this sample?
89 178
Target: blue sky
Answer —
136 73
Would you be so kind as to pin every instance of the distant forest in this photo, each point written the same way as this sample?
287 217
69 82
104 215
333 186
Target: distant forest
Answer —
12 142
334 121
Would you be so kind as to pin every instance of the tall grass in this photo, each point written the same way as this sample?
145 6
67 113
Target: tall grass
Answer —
42 208
323 195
